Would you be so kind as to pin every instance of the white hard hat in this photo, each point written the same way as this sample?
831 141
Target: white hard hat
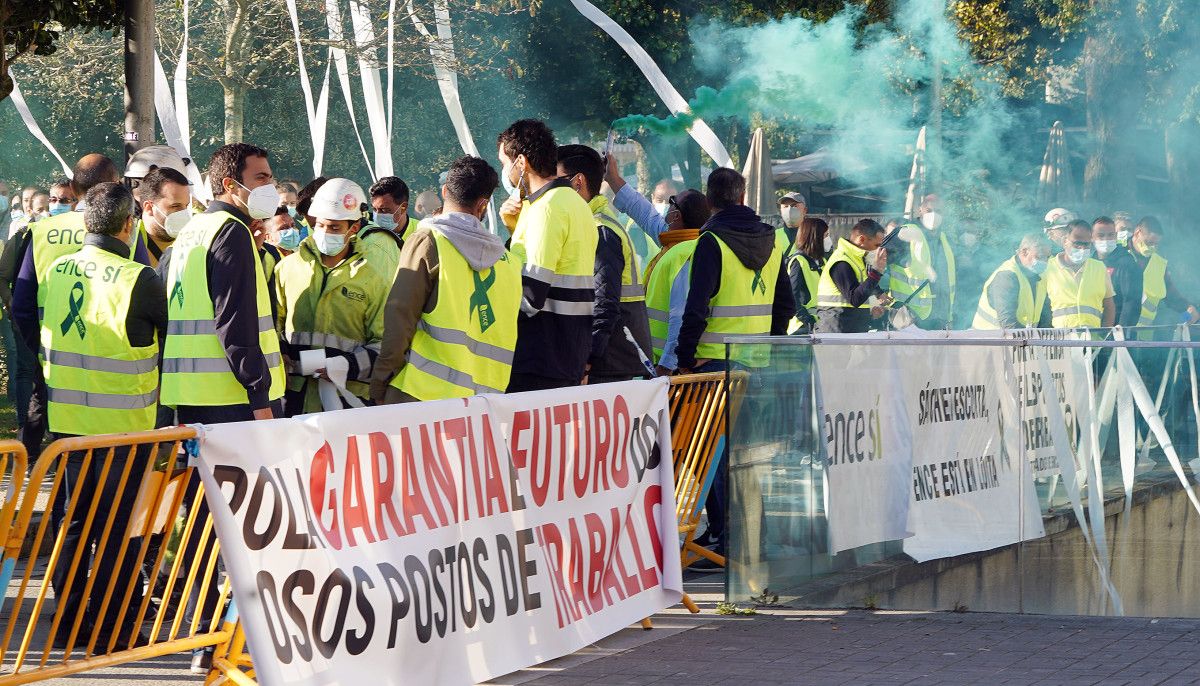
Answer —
153 156
338 199
1058 218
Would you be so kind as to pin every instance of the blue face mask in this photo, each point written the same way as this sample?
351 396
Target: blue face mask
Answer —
289 239
57 208
386 221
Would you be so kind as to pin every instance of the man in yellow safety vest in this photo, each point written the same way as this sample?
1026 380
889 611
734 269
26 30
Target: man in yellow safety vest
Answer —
1157 288
450 326
1077 285
1014 296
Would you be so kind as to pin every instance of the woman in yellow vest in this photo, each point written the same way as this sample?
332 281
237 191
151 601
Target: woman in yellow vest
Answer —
1077 285
450 324
331 296
813 243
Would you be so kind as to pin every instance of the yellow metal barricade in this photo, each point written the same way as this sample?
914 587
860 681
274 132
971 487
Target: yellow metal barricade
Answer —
110 540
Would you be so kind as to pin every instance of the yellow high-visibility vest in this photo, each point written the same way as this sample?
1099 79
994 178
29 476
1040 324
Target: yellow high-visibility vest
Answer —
465 346
97 382
904 280
632 290
1030 300
1154 288
195 369
1076 303
658 291
828 294
811 280
742 306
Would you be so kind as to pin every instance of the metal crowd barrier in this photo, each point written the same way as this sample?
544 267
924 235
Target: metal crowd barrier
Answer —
119 523
116 525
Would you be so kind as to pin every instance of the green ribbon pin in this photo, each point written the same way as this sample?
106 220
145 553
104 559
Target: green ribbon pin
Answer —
75 303
480 301
177 292
758 284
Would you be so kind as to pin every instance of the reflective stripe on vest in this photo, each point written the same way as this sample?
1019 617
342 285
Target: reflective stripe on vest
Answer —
195 369
465 345
741 307
828 294
658 291
1154 288
96 381
556 244
1076 303
1030 300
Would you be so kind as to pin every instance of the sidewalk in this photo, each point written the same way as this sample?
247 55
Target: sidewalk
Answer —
780 646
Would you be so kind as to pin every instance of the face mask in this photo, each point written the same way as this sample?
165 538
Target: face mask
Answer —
262 202
173 223
1038 266
1123 236
289 239
1105 247
1079 255
57 208
662 208
504 181
1146 250
328 243
931 220
386 221
792 216
17 215
828 243
872 255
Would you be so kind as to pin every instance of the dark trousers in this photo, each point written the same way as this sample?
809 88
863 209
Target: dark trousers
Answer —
33 431
114 503
21 364
519 382
715 504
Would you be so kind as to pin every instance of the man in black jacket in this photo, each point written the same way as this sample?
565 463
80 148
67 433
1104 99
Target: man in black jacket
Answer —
1123 270
735 228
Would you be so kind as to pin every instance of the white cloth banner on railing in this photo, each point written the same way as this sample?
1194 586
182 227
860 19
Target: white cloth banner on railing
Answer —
377 121
31 124
445 542
658 80
317 112
333 20
441 50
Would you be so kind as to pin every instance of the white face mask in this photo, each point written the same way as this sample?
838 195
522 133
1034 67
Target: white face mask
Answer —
1104 247
174 222
262 202
1123 236
828 242
792 215
1079 255
662 208
329 244
931 220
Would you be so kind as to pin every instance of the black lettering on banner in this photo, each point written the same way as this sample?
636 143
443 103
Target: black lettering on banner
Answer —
527 568
303 580
356 643
509 585
424 623
478 553
400 604
255 540
336 580
235 476
266 591
442 616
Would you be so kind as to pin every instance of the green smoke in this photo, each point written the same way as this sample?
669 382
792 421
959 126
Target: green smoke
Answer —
708 102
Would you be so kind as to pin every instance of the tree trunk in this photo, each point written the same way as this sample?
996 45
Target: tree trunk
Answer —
690 163
235 112
1182 143
1114 91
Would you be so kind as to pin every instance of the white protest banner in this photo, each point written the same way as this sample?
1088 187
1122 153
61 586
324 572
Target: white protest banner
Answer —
446 542
868 443
971 489
1070 377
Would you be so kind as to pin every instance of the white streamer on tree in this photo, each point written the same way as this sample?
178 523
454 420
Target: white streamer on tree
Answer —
658 80
333 19
377 120
169 120
32 125
318 113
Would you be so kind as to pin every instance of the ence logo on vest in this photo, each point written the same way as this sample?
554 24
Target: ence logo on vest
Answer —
480 301
354 294
758 285
65 236
75 307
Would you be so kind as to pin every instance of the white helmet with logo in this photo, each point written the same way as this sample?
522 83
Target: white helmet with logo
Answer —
153 156
1058 218
338 199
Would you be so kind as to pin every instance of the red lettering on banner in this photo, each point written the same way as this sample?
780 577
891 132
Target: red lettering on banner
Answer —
650 500
610 580
562 418
354 501
414 500
581 456
383 473
645 572
473 463
550 539
579 597
322 467
540 459
620 441
598 561
497 502
439 481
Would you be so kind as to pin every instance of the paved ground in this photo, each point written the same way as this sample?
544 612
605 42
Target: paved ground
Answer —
779 646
